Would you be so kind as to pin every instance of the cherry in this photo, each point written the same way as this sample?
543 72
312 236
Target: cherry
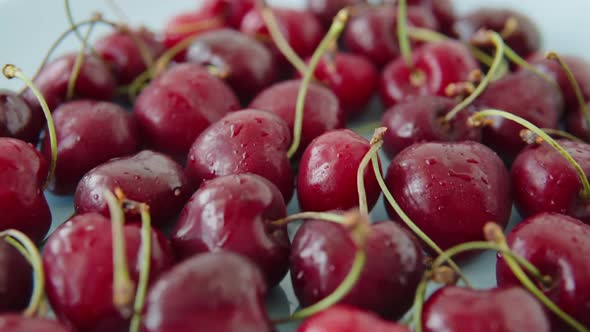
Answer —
327 178
95 81
443 10
248 141
577 125
249 65
519 31
190 24
17 120
16 281
322 111
322 255
507 309
147 176
81 147
179 104
558 246
436 65
325 10
343 318
128 52
233 213
78 261
20 323
220 292
233 11
421 120
450 190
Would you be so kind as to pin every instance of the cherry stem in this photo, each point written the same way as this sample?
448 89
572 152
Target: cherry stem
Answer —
11 71
419 302
519 61
144 275
123 286
332 35
530 137
477 119
27 248
78 63
71 20
326 216
360 176
510 27
575 85
492 72
402 33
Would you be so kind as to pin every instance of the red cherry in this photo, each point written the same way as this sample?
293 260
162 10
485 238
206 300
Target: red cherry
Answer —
179 104
233 11
247 141
450 190
148 177
328 173
16 280
436 66
78 261
343 318
558 246
81 147
577 125
323 253
219 292
443 10
17 120
186 25
507 309
326 10
233 213
20 323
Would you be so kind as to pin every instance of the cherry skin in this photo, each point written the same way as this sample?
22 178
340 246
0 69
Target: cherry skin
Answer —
322 254
249 64
343 318
545 182
220 292
147 176
233 11
247 141
17 120
328 173
421 119
438 65
443 10
190 24
81 147
16 279
95 81
326 10
20 323
123 53
322 111
179 104
523 94
577 125
524 40
78 261
506 309
558 246
233 213
450 190
23 171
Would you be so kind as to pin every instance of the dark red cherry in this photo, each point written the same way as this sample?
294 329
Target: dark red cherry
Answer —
233 213
436 65
248 141
577 124
450 190
81 147
16 279
23 171
148 177
443 10
326 10
122 51
506 309
179 104
559 247
78 262
328 173
373 32
524 39
322 111
544 181
233 11
190 24
523 94
17 120
20 323
220 292
323 253
421 119
341 318
95 81
249 65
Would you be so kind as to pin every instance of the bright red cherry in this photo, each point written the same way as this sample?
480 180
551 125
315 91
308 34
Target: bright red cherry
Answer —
233 213
179 104
20 323
341 318
326 10
16 279
233 11
17 120
219 292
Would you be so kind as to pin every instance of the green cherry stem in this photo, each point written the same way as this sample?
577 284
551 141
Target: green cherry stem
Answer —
326 216
332 35
492 72
402 33
519 61
144 275
360 176
71 20
11 71
78 63
419 302
477 119
530 137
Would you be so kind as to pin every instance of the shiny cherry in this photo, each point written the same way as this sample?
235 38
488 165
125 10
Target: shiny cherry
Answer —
326 10
20 323
189 24
343 318
233 11
16 279
17 120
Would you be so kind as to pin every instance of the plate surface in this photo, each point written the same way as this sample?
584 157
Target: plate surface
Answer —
28 27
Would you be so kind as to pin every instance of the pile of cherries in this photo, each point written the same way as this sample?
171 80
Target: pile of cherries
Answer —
207 129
